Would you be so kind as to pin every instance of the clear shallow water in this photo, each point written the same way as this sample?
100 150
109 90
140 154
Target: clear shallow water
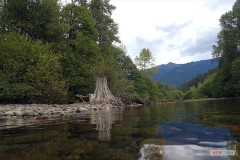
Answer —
182 131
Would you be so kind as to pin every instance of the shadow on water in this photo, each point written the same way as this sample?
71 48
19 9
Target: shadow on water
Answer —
182 131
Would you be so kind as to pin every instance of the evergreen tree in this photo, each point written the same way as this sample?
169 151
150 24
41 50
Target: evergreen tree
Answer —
107 28
37 19
228 49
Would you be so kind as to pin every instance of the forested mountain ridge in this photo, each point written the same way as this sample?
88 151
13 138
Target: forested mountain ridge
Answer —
177 74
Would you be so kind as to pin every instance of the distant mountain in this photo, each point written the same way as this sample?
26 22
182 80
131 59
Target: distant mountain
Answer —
177 74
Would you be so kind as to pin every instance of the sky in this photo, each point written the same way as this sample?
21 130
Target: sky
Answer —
178 31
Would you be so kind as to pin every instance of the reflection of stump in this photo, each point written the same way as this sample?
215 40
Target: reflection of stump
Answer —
104 120
104 126
102 94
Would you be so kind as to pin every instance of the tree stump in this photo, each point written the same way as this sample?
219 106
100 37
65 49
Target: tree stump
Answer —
102 93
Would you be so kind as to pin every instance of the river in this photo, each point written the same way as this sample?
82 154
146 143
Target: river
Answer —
208 130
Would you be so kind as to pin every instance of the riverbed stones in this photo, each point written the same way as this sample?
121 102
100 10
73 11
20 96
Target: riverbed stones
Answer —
82 109
9 113
18 113
44 110
2 114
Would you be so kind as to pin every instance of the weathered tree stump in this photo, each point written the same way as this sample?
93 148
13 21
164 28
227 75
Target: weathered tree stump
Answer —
102 93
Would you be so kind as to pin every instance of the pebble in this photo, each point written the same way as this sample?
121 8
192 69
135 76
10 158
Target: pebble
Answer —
18 113
9 113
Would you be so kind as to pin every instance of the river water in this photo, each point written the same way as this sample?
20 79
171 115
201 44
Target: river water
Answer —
208 130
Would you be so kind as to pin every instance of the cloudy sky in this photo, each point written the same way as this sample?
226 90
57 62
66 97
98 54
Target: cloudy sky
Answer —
176 31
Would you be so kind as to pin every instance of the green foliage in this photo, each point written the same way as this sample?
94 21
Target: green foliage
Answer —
193 93
145 59
169 93
119 83
37 19
207 87
194 81
29 71
101 11
49 54
175 95
129 83
81 51
78 19
225 84
79 65
236 76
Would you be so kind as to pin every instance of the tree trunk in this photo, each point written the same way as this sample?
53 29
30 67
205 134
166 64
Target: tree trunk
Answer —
102 94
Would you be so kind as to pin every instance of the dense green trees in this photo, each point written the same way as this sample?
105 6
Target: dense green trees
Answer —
49 53
36 19
145 59
107 28
224 82
29 71
228 49
195 80
235 71
81 50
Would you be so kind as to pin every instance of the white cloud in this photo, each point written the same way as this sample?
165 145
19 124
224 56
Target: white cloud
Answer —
168 27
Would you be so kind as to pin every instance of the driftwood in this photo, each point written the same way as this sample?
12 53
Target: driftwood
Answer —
82 98
102 93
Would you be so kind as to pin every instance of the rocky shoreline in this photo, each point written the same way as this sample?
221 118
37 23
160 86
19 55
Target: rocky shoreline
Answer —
44 110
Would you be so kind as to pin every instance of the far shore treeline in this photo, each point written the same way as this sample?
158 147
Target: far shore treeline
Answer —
49 52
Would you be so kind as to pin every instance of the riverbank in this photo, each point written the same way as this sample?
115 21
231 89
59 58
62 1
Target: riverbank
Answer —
55 110
44 110
200 99
207 99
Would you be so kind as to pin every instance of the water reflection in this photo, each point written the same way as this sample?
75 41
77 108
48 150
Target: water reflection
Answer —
189 141
15 122
151 152
171 132
104 120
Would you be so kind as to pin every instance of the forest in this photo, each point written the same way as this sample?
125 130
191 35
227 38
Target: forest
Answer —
225 80
51 52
